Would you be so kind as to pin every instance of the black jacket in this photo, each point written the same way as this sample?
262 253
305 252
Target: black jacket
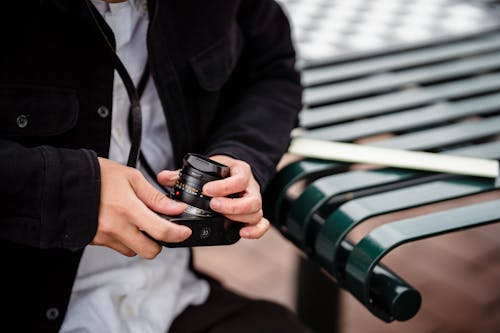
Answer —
224 71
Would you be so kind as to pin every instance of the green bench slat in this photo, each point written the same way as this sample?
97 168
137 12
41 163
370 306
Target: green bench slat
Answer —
383 104
407 120
444 136
274 202
380 83
489 150
340 222
374 246
342 71
303 221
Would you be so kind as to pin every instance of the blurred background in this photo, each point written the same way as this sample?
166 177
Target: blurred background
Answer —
334 28
458 274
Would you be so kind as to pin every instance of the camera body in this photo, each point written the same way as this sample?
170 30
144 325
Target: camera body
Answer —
208 227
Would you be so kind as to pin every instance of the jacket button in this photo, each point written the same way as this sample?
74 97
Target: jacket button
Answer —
22 121
103 111
52 313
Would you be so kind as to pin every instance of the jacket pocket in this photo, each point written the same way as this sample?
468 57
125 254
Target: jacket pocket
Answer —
36 111
213 66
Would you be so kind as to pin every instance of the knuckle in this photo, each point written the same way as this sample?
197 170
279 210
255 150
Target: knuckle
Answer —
135 175
151 252
242 163
163 233
120 209
233 209
262 227
129 253
158 197
240 183
242 175
256 218
106 228
267 225
256 204
245 207
226 188
246 167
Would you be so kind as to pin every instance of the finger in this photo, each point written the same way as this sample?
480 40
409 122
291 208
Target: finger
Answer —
168 177
233 206
224 159
119 247
255 231
246 218
237 182
139 243
158 227
153 198
114 244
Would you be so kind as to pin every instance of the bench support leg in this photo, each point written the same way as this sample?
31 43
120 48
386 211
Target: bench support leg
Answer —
317 301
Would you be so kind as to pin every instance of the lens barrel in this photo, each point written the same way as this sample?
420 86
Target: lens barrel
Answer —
197 170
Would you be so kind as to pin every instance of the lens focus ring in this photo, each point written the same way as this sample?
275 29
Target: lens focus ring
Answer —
196 172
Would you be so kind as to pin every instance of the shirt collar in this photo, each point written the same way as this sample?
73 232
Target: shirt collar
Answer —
139 5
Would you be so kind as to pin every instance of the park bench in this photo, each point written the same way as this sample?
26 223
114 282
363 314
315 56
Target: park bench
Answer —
439 95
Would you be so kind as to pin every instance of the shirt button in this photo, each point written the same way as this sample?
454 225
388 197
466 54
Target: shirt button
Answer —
52 313
103 111
22 121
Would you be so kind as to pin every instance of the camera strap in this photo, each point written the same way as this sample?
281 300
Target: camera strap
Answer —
140 91
135 114
134 120
131 123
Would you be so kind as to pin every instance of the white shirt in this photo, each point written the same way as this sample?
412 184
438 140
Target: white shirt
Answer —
114 293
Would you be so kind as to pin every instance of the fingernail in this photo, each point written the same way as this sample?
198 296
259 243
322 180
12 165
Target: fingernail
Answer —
173 175
207 189
186 232
245 233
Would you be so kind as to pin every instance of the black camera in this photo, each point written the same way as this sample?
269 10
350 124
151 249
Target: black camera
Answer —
208 227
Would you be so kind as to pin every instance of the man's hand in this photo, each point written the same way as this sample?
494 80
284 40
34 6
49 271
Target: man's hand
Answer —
247 208
127 207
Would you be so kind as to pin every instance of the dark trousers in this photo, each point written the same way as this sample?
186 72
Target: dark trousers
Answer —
227 312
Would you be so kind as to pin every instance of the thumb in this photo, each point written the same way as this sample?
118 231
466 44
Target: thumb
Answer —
168 177
155 199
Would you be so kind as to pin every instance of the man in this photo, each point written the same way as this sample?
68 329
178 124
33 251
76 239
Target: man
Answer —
218 73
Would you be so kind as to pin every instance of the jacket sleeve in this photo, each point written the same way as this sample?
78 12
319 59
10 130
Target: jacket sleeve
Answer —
256 126
49 196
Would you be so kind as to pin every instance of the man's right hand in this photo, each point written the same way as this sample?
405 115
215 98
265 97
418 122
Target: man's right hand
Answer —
127 207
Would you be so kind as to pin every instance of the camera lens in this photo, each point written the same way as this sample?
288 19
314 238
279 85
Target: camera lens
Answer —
208 227
197 170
